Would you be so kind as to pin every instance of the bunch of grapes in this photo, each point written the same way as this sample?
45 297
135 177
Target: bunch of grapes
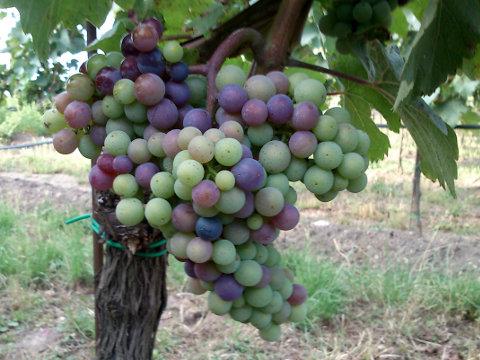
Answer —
219 189
353 21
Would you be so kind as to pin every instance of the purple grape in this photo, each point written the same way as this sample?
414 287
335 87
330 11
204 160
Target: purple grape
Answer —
246 152
170 144
280 80
249 174
228 288
151 62
305 116
302 144
179 93
127 46
184 218
145 37
266 277
232 98
98 134
149 89
83 68
248 208
61 101
205 193
99 179
198 118
280 109
106 79
149 131
78 114
157 24
265 235
129 68
221 117
299 295
189 267
286 219
207 271
122 164
65 141
254 112
208 229
144 173
232 129
178 71
181 115
105 163
164 115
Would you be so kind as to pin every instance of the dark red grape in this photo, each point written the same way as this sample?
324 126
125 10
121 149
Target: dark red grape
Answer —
99 179
78 114
127 46
145 37
129 68
189 267
105 163
106 79
149 89
207 271
299 295
65 141
157 24
286 219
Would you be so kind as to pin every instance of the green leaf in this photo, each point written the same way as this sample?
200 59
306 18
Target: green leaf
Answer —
449 33
451 111
125 4
110 41
471 118
40 17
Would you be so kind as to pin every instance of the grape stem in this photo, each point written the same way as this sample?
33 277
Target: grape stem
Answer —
200 69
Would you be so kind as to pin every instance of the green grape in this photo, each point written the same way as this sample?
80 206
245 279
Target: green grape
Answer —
123 91
138 151
260 87
260 135
87 148
326 24
347 137
139 129
328 155
194 286
382 14
162 185
158 212
120 124
255 222
351 166
258 297
273 256
362 12
339 114
241 314
279 182
54 121
190 172
328 196
393 4
249 273
344 46
186 135
366 163
129 211
167 164
262 253
295 79
231 201
217 305
339 183
291 197
342 30
310 90
178 243
154 144
229 268
363 143
260 319
236 232
225 180
168 230
226 219
198 90
269 201
344 12
95 63
201 149
240 302
136 112
224 252
326 128
111 108
275 156
114 59
298 313
204 211
296 169
125 185
117 142
207 285
358 184
275 305
318 181
282 316
287 289
278 278
228 151
80 87
247 251
183 191
230 74
271 333
180 158
172 51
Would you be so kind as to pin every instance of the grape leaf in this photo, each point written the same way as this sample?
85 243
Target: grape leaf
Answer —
40 17
449 33
110 41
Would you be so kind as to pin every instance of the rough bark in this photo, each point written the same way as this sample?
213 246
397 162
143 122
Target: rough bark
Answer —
415 217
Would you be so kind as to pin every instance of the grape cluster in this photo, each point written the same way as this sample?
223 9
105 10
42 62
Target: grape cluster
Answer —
353 21
219 189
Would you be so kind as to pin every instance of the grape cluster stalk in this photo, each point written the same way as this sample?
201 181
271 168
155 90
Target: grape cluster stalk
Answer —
220 188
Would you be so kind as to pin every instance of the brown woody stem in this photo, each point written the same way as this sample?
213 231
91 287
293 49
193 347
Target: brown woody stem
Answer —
201 69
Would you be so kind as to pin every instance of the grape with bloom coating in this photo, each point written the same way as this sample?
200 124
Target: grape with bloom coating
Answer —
328 155
65 141
248 174
326 128
249 273
80 87
138 151
205 193
305 116
352 166
274 156
198 118
310 90
122 164
280 81
286 219
302 144
261 134
199 250
269 201
144 173
280 109
232 129
149 89
78 114
186 135
260 87
201 149
232 97
184 217
347 137
231 201
254 112
163 115
228 288
224 252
